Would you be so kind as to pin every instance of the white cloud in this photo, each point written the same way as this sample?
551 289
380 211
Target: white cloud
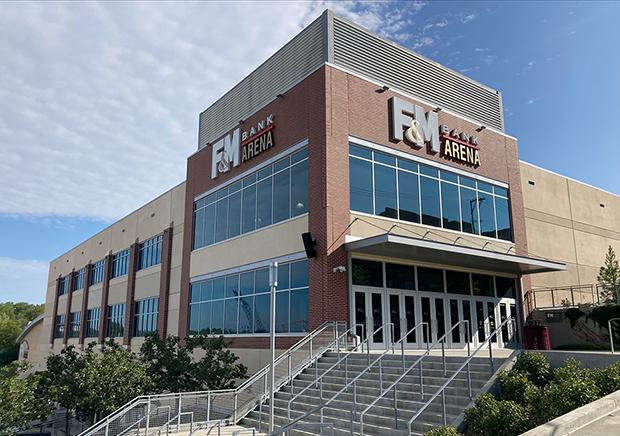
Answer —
423 42
468 18
23 280
99 102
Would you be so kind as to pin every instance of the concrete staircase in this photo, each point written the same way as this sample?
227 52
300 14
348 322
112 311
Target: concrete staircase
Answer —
381 419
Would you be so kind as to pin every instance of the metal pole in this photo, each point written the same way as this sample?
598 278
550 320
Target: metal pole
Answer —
148 414
208 406
273 283
179 414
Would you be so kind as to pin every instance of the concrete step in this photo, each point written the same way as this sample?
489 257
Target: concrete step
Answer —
389 364
392 374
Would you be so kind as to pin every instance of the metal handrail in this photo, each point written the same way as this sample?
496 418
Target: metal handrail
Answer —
442 389
146 399
178 419
394 384
132 425
320 378
611 334
353 382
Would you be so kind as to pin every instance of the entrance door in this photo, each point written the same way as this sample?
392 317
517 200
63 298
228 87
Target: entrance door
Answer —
432 309
401 313
369 316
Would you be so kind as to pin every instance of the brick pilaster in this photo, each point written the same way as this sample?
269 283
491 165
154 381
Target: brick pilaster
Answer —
105 290
56 296
68 309
87 272
131 291
164 283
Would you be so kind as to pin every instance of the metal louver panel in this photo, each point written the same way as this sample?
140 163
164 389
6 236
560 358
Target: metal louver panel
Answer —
289 65
362 52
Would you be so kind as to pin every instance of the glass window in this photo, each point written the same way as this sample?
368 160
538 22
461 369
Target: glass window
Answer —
209 228
120 264
385 158
145 317
504 229
281 196
487 214
360 185
430 279
217 317
458 283
450 206
299 310
385 191
92 323
466 181
205 318
299 188
219 286
451 177
367 273
234 215
506 287
360 151
194 319
469 210
261 280
149 252
429 171
221 219
59 327
501 191
199 228
408 165
246 314
264 203
409 197
116 321
232 285
283 276
74 324
246 283
230 317
282 312
299 274
261 313
249 209
482 285
78 279
96 272
399 276
429 189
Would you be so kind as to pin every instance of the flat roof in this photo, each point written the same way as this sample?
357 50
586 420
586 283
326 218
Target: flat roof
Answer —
449 254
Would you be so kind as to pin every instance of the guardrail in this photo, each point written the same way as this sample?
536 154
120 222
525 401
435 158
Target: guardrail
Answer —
226 405
564 296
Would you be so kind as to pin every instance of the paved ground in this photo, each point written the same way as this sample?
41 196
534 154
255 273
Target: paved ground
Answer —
607 425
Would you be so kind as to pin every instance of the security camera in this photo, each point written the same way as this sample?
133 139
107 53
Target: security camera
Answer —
339 268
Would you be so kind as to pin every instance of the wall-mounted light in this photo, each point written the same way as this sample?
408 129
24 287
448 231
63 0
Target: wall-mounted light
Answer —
339 269
241 121
279 96
437 109
481 128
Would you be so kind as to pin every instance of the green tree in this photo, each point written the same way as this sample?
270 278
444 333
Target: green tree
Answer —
173 366
19 402
609 276
13 318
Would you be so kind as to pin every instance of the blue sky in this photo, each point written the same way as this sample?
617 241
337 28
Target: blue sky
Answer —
99 102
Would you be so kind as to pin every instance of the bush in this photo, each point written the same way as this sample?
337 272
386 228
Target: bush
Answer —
608 379
490 417
443 431
535 366
517 387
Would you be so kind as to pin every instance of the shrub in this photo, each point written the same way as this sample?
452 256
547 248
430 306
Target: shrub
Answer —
536 366
490 417
443 431
517 387
608 379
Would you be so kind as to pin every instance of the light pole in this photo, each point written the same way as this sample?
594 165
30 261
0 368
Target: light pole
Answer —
273 284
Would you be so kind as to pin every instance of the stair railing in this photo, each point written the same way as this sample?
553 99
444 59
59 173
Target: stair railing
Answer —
353 382
419 363
510 323
319 379
230 404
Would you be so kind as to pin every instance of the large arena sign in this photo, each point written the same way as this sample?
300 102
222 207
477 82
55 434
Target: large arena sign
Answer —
410 123
239 147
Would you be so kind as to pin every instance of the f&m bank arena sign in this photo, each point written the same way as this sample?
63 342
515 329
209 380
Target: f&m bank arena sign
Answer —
411 124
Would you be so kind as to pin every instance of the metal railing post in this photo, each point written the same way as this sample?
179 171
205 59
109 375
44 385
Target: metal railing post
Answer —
611 333
148 414
208 406
395 407
179 414
443 355
235 408
491 355
443 406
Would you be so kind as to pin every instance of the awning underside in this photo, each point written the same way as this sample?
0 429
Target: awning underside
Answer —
437 252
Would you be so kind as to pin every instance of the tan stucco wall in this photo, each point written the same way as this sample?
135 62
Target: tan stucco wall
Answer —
565 221
38 345
277 240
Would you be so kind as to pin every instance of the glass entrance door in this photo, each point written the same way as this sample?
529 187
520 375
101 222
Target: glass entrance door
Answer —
402 314
369 316
432 310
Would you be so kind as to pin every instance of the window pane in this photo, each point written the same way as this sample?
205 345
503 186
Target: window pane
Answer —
469 210
505 287
283 272
261 283
282 163
360 151
264 204
429 171
249 209
466 181
385 191
501 191
360 185
385 158
221 220
430 279
450 206
282 312
482 186
195 293
399 276
218 288
205 290
299 274
281 196
445 175
367 273
487 214
409 197
232 285
261 313
300 155
246 317
458 282
482 285
299 310
430 201
247 283
217 317
230 318
299 188
408 165
205 318
234 215
209 232
504 229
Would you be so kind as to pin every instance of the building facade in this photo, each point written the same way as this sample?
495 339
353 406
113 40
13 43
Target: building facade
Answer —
413 201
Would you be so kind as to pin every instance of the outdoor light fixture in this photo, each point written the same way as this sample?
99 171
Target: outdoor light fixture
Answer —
437 109
309 245
481 128
340 269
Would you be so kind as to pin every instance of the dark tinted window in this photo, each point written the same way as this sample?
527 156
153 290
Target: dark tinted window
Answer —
360 185
430 279
429 189
409 197
450 206
367 273
482 285
399 276
385 191
457 282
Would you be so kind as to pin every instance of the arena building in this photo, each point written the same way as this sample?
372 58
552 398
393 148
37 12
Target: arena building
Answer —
398 170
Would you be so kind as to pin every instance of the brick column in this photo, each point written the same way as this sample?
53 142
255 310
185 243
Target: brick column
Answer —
54 311
86 288
164 283
131 291
68 309
103 316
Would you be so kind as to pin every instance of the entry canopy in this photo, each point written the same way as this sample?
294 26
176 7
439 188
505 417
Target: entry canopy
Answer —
448 254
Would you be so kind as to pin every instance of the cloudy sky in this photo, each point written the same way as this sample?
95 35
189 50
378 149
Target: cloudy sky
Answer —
99 102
